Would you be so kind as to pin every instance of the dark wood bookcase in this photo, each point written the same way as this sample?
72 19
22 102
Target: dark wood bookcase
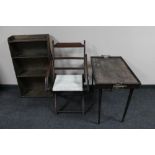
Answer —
31 57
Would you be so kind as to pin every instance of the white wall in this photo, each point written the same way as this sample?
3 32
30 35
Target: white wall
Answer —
135 44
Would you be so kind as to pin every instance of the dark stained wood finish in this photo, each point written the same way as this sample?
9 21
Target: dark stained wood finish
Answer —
112 71
69 68
33 87
29 49
31 56
31 67
68 45
83 68
28 38
77 58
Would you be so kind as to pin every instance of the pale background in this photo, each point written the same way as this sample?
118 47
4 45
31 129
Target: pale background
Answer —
135 44
111 12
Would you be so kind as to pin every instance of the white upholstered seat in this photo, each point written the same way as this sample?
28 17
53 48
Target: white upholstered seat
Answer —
68 83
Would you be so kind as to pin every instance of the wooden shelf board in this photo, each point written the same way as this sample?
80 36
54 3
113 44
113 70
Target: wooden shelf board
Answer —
68 45
28 38
33 73
28 57
60 58
36 93
33 40
31 53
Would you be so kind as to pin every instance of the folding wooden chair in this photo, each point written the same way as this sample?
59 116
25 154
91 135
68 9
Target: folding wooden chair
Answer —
77 83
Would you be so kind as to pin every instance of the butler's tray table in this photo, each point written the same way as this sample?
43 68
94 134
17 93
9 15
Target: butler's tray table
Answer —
110 73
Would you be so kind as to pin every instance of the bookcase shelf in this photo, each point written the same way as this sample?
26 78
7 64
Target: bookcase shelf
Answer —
32 87
28 57
32 73
29 49
28 38
31 67
31 57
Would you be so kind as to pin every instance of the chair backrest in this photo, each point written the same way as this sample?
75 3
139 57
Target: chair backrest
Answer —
69 45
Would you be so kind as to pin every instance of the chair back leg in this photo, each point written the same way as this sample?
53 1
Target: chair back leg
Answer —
55 103
83 104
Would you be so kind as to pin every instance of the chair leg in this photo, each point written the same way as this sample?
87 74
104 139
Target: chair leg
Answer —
83 105
92 80
55 103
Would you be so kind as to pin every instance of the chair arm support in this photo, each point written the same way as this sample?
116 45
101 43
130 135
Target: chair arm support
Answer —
86 71
48 73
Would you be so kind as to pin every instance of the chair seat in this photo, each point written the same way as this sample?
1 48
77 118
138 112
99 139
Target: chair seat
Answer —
68 83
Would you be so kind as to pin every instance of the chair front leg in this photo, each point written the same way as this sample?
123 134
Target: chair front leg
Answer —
83 104
55 102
